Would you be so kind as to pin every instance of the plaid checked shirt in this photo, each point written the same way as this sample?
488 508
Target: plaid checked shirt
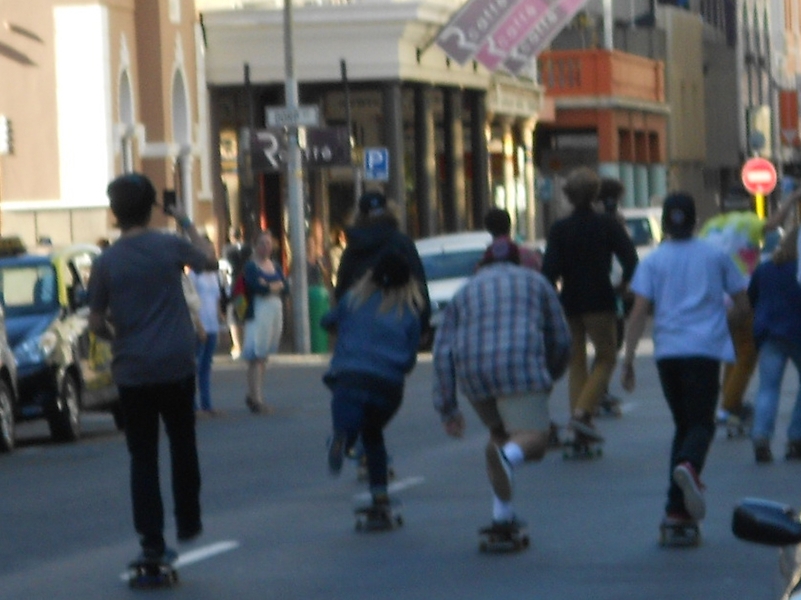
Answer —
503 333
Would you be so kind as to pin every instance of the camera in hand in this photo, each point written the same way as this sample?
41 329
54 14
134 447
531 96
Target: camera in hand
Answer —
169 202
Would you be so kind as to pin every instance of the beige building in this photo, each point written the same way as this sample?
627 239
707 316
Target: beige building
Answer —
93 89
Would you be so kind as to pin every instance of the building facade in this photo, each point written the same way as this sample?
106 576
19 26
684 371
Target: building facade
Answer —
94 89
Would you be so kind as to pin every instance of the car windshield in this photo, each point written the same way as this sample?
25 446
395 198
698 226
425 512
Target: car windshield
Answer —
448 265
28 289
640 231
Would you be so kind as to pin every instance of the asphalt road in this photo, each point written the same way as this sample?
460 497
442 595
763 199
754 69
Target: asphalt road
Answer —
278 526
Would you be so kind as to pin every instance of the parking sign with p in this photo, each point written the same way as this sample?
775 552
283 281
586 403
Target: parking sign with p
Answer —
376 164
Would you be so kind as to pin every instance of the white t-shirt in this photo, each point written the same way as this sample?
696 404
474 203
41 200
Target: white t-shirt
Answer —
686 281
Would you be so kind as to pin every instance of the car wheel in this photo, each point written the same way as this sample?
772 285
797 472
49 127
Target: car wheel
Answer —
6 418
65 423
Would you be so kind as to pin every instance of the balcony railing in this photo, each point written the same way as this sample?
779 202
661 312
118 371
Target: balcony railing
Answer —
567 73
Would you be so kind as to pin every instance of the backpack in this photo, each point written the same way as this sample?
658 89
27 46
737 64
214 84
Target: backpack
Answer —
239 297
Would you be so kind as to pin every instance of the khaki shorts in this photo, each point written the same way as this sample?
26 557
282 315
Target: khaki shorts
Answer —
521 412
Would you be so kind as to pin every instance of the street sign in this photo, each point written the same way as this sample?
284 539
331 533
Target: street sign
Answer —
376 164
303 116
325 147
759 176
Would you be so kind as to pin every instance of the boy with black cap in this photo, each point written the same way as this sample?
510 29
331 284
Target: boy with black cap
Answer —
684 280
137 301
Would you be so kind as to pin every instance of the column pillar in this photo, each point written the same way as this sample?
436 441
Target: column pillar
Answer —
479 140
425 162
453 193
527 140
393 134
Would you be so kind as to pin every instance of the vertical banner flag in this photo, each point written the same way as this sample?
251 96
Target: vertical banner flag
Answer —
505 33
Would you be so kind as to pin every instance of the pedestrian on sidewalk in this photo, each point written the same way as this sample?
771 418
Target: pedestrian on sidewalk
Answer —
683 281
503 342
136 300
377 326
207 286
264 317
776 299
579 256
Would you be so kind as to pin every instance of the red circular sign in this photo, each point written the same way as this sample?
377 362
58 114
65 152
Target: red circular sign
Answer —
759 176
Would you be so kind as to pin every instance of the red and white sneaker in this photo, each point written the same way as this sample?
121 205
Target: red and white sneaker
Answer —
685 476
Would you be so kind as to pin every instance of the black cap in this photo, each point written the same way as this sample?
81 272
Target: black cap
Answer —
392 270
678 215
372 202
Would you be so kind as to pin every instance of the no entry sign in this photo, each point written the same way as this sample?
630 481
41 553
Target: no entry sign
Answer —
759 176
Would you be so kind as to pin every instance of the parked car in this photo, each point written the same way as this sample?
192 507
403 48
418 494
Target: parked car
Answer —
62 368
448 260
773 524
645 228
8 390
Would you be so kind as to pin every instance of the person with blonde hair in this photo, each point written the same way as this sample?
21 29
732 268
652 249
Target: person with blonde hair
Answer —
776 301
579 255
264 317
378 328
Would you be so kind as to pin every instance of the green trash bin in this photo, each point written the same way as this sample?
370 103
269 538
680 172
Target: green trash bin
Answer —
318 306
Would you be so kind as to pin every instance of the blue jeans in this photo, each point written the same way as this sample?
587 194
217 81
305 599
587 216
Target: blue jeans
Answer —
204 355
773 356
357 412
142 407
691 387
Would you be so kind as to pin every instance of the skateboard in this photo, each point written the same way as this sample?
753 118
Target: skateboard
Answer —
679 534
381 517
144 573
582 450
503 537
609 406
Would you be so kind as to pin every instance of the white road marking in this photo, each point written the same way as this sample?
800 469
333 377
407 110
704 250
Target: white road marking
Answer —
393 487
193 556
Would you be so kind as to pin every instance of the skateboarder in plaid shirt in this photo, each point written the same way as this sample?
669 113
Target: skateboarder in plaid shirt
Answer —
504 341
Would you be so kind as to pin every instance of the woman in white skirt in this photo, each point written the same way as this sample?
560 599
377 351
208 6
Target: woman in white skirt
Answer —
264 319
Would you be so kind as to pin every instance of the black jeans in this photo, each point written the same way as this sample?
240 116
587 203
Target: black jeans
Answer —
142 407
691 386
367 412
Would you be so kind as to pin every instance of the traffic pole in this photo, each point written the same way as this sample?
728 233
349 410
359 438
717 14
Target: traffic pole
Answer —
299 284
760 205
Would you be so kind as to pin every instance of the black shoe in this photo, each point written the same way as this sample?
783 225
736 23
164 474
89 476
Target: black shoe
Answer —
762 452
793 450
336 452
190 533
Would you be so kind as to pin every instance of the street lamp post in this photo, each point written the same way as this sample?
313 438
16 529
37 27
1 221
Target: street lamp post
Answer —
297 229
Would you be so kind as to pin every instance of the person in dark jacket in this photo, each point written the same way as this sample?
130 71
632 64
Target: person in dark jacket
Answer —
579 256
375 231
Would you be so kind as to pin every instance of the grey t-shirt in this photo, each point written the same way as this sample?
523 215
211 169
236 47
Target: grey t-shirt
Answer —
138 281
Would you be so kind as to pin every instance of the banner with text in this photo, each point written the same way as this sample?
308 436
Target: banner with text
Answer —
505 34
